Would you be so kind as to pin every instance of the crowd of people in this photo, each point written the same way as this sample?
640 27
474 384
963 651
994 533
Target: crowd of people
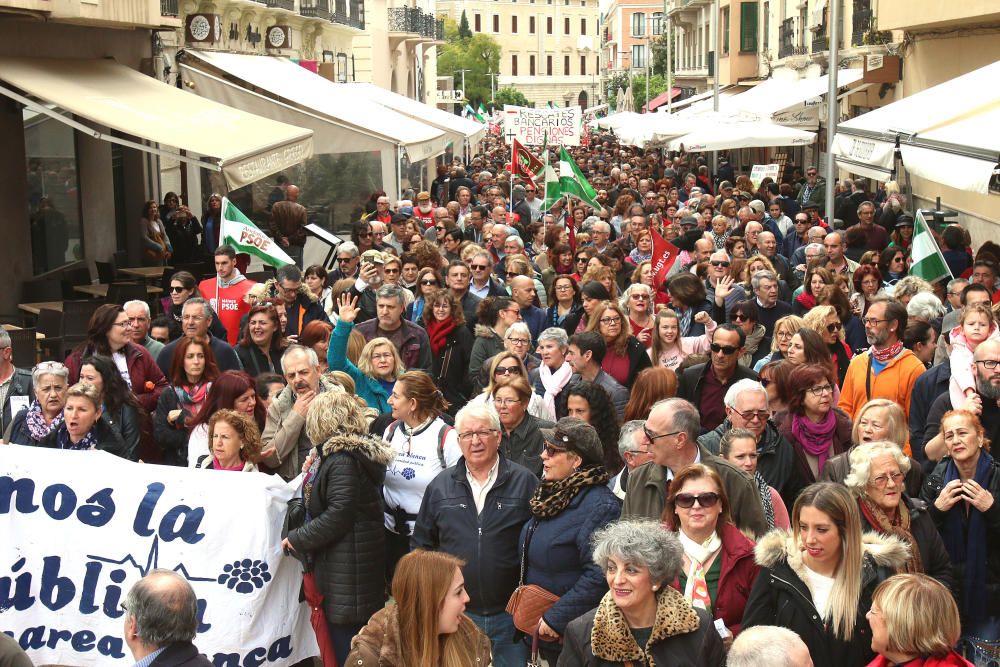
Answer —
510 426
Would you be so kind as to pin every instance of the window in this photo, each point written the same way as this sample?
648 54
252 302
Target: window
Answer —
496 23
638 56
531 65
767 22
513 24
657 21
531 25
597 63
566 65
583 26
583 64
548 24
639 24
479 23
725 31
548 65
566 26
748 27
513 65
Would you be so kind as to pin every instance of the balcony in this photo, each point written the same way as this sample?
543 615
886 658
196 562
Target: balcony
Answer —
786 40
316 9
279 4
414 20
820 42
169 8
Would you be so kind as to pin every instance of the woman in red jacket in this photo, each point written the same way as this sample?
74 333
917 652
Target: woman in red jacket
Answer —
719 568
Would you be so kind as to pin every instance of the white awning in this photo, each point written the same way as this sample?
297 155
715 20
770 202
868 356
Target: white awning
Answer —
346 122
244 147
946 133
717 136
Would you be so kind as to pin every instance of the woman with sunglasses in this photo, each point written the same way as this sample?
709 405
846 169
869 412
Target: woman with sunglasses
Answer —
517 341
581 261
506 365
182 287
824 321
719 568
361 236
637 304
818 580
626 356
744 314
812 424
892 266
428 282
784 329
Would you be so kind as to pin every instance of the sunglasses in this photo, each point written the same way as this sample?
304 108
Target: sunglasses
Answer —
427 282
364 235
177 290
506 370
740 317
479 267
687 500
724 265
552 451
836 326
725 349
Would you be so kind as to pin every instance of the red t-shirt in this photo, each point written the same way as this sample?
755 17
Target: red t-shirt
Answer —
617 367
228 304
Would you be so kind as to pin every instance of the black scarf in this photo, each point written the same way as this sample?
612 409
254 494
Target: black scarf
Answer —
551 498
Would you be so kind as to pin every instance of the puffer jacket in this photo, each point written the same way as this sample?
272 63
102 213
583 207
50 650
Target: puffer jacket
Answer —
560 555
682 637
172 438
781 596
486 345
378 643
487 541
344 542
776 461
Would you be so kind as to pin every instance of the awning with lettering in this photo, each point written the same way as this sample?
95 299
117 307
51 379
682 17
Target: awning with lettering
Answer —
945 133
97 97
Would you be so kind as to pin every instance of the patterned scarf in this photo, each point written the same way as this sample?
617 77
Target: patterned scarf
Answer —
191 397
888 354
35 422
696 588
898 526
764 491
310 480
684 318
551 498
89 441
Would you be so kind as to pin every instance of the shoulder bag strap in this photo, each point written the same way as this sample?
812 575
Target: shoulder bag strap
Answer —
527 545
868 379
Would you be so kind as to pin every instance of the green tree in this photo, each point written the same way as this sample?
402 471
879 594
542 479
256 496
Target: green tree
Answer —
464 32
616 81
512 96
657 85
479 55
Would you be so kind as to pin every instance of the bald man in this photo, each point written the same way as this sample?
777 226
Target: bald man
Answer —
522 290
161 620
288 224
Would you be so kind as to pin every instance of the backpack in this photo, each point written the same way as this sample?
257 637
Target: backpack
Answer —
442 434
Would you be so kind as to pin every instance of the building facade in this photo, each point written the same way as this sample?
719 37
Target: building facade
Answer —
628 28
549 48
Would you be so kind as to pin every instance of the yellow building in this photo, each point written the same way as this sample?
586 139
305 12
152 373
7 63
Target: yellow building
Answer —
627 30
549 48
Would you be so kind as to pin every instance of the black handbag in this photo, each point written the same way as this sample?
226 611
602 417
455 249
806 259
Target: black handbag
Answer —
295 516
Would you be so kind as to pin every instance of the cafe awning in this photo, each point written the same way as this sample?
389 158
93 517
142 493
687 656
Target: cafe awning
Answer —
277 87
112 97
945 133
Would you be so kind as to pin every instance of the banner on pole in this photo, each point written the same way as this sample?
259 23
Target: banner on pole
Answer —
531 127
82 527
244 236
761 171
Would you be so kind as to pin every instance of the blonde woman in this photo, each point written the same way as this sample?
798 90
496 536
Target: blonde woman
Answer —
784 329
504 365
824 321
637 302
818 579
379 363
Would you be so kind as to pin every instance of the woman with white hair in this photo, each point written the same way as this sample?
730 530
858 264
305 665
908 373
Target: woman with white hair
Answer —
877 480
637 302
31 425
925 307
642 619
553 374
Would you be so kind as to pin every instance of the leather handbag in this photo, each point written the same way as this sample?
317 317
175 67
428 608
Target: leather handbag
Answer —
529 603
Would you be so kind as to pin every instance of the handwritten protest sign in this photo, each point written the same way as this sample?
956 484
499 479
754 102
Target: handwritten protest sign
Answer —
80 528
761 171
533 127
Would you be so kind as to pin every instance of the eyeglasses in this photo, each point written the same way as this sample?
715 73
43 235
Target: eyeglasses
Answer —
124 325
897 259
872 322
177 290
482 435
882 480
364 235
440 229
519 341
582 258
426 283
990 364
725 349
750 415
504 402
382 356
610 320
564 288
687 500
479 267
811 173
552 451
344 259
506 370
724 265
512 274
783 334
653 437
819 390
392 270
835 326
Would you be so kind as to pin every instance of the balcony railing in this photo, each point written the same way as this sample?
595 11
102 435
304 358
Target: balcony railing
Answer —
279 4
169 8
821 42
317 9
863 28
786 38
415 20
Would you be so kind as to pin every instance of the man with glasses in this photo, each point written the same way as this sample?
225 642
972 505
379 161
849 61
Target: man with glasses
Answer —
706 384
887 369
493 494
474 222
585 353
731 291
409 338
196 317
671 435
301 305
16 392
876 238
747 407
799 236
140 321
483 284
813 191
348 260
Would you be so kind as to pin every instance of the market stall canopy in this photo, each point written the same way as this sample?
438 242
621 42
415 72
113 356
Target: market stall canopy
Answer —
718 136
661 99
343 123
244 147
611 121
946 134
724 92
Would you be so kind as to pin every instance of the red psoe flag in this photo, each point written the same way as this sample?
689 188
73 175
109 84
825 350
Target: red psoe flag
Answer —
523 163
665 254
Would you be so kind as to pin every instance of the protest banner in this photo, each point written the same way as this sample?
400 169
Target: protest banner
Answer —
761 171
532 127
80 528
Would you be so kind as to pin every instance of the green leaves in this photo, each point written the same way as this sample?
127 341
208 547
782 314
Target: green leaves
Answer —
477 54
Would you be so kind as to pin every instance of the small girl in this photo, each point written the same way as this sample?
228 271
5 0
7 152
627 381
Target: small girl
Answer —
977 324
669 349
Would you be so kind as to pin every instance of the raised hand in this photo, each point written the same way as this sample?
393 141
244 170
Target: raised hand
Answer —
347 307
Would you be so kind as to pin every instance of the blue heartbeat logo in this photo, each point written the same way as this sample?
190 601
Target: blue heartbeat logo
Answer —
152 563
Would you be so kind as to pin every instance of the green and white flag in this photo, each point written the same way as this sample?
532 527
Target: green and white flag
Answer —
572 181
468 111
481 113
553 192
244 236
928 262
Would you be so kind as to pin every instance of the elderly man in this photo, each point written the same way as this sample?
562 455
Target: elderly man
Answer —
600 236
706 384
288 223
196 316
671 433
522 290
398 223
513 246
767 246
585 352
301 305
139 318
747 407
284 436
161 621
410 339
15 383
483 284
348 262
806 255
769 308
475 510
751 236
457 280
768 646
731 292
500 233
633 450
630 233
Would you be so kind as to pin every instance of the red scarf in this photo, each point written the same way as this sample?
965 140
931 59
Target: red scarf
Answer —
806 299
437 331
951 660
888 354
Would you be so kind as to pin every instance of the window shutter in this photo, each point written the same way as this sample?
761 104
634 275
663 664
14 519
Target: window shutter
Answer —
748 27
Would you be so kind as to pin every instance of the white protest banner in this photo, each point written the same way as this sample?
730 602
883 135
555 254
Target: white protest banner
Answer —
761 171
531 127
80 528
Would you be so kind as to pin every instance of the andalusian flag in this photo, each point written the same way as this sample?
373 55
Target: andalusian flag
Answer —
468 111
573 183
481 113
928 262
244 236
552 191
